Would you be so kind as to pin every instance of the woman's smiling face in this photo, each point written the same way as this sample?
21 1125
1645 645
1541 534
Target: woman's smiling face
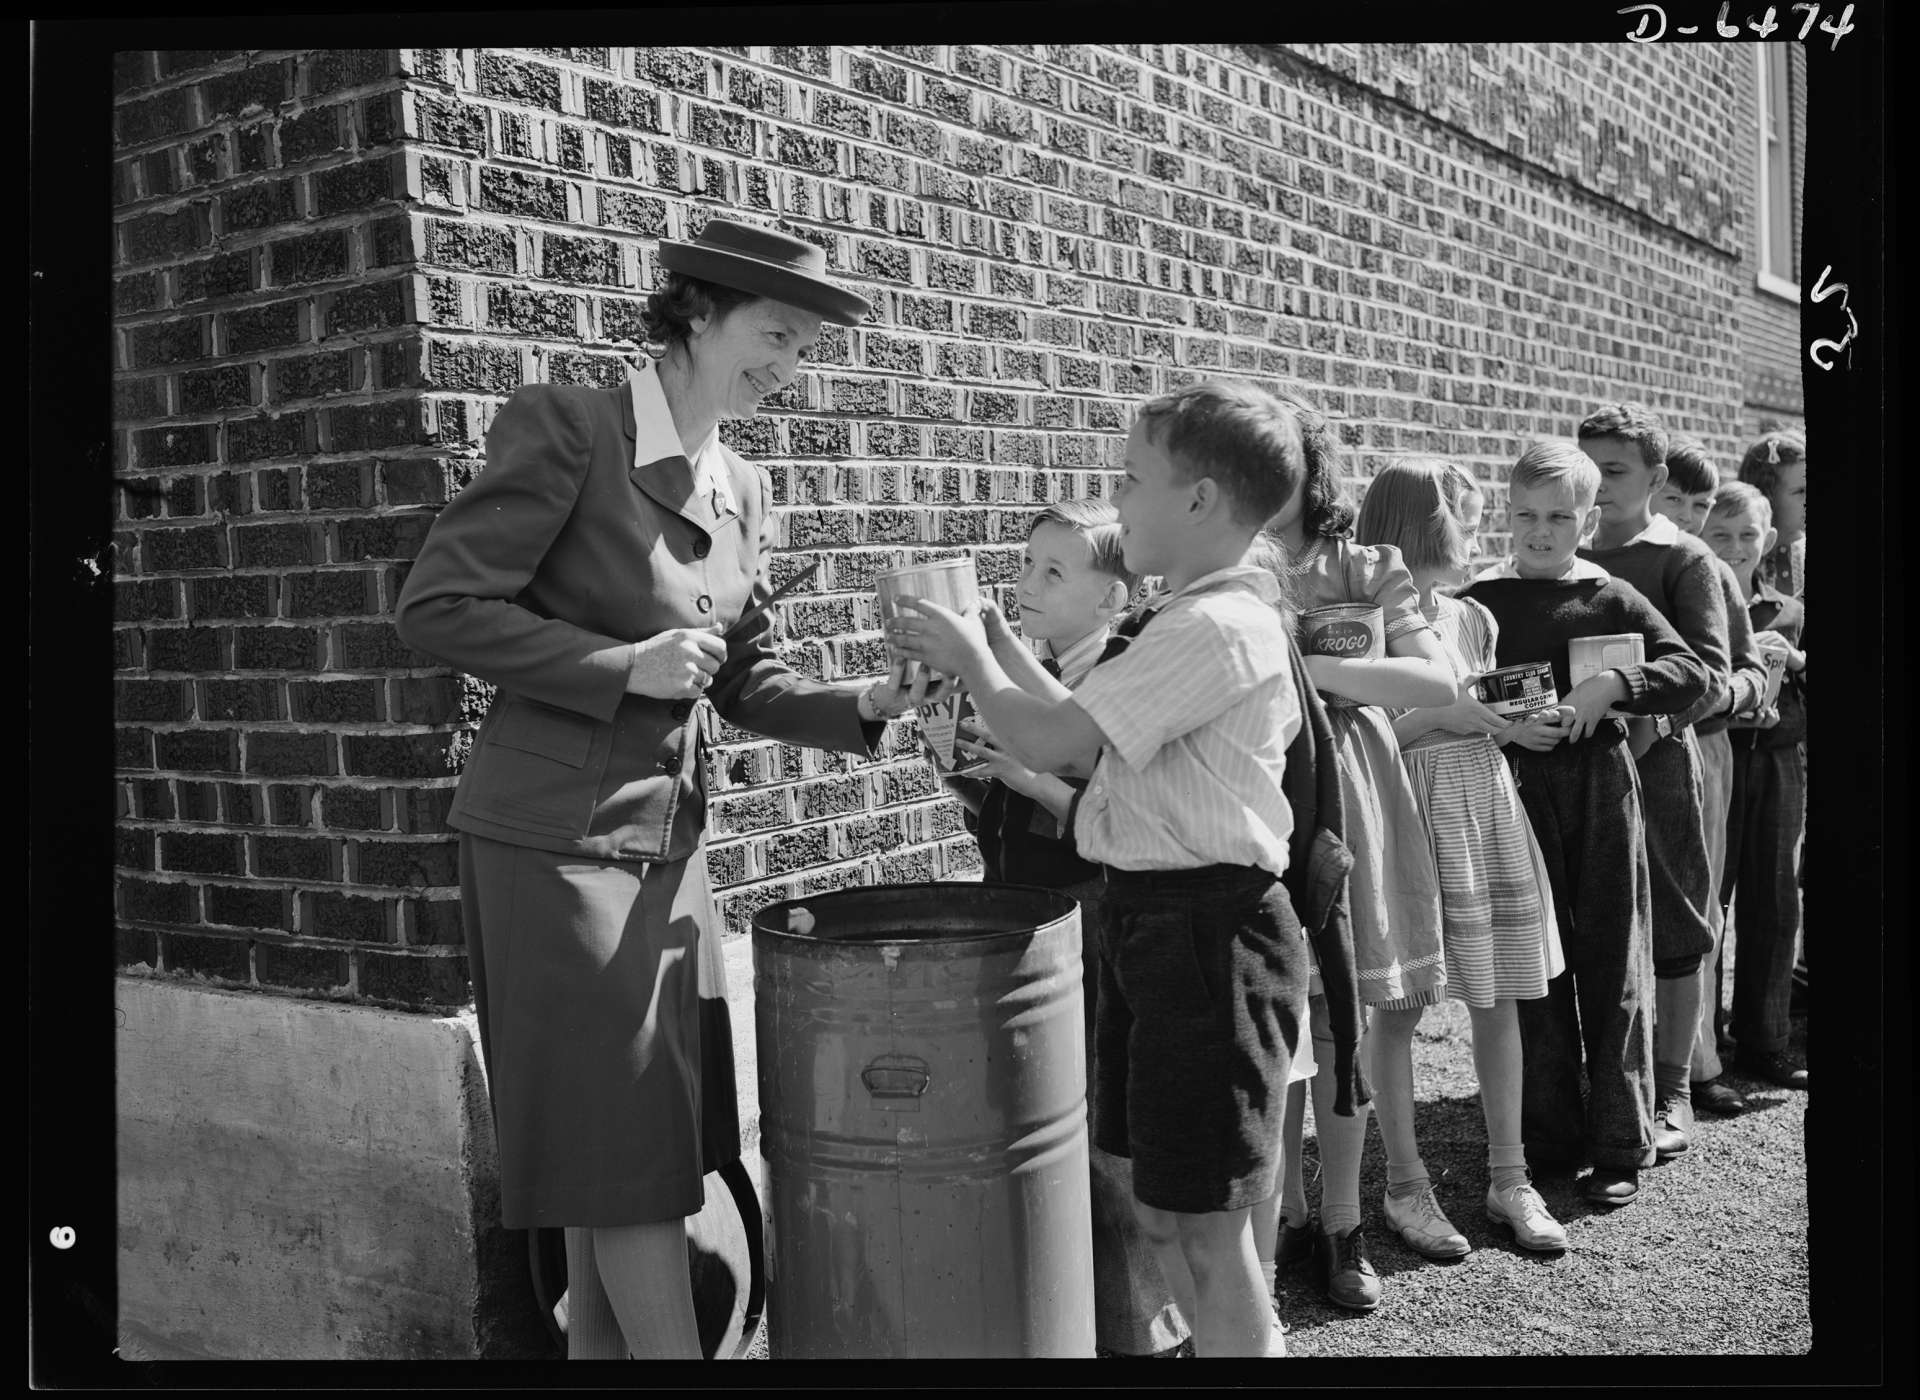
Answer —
741 356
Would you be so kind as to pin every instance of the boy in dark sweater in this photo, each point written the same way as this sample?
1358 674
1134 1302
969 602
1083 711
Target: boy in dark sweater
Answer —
1769 799
1679 576
1581 790
1686 498
1074 581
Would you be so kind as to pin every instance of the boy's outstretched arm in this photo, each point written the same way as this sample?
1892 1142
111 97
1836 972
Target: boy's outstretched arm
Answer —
1046 735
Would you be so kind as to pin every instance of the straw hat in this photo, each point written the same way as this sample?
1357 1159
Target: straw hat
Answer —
766 263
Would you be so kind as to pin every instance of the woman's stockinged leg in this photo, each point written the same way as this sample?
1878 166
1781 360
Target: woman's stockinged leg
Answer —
644 1271
593 1332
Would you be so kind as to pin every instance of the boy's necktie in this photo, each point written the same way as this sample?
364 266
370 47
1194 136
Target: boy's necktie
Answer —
1050 666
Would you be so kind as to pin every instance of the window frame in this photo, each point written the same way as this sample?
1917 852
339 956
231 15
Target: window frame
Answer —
1765 277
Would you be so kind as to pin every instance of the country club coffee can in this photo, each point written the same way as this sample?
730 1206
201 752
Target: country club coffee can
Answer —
1588 657
949 582
1356 631
1514 691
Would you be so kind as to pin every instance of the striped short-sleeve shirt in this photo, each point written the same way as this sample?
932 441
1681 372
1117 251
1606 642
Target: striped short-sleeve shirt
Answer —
1198 712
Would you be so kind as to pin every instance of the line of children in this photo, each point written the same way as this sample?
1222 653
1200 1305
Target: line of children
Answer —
1768 795
1203 978
1685 498
1567 893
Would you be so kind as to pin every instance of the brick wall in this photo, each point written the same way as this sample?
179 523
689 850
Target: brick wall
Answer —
332 267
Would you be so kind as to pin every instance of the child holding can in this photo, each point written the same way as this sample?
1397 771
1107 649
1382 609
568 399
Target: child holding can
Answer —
1677 574
1685 498
1769 800
1497 924
1074 581
1581 791
1393 891
1203 975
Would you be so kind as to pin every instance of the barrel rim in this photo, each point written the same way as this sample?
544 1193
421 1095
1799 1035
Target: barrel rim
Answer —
759 928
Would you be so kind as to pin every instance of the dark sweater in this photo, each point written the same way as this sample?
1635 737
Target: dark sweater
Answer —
1021 842
1749 667
1538 617
1682 579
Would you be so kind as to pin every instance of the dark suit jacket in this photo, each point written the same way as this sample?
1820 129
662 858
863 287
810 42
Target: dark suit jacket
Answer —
1318 862
538 577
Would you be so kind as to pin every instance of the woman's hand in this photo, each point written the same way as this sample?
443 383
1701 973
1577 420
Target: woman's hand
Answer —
677 664
950 642
894 695
1539 732
1591 699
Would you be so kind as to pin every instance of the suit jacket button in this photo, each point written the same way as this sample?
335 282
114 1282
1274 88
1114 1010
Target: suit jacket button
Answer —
682 708
704 603
669 764
700 547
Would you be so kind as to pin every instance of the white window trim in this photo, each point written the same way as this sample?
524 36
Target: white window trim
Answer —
1764 279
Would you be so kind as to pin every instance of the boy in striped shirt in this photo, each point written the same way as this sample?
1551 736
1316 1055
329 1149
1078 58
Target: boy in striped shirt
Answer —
1204 978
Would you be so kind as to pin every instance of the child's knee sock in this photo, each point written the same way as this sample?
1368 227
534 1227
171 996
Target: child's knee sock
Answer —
1342 1140
1506 1164
1676 1019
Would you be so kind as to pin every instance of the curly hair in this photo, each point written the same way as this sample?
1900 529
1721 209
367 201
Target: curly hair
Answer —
1327 511
667 318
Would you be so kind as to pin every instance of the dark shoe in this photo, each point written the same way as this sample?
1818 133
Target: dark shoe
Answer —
1775 1068
1613 1186
1717 1096
1343 1271
1295 1245
1672 1126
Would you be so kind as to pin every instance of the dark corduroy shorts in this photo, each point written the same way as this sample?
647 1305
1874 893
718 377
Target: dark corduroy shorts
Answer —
1202 1003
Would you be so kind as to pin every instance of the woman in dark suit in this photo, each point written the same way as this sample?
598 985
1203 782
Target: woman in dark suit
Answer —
591 573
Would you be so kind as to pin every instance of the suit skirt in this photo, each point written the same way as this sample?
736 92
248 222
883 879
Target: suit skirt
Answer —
601 995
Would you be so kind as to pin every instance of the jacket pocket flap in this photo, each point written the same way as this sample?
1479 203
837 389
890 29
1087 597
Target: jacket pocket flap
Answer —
546 730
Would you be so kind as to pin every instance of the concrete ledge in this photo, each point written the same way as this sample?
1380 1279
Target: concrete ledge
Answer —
307 1180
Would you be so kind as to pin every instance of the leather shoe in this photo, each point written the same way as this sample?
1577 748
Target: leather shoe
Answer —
1295 1246
1717 1096
1343 1271
1672 1125
1775 1068
1613 1186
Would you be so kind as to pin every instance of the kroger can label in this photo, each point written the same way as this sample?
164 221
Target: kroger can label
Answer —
1356 631
1519 690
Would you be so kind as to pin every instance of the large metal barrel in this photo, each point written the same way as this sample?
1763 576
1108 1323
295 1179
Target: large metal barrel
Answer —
923 1123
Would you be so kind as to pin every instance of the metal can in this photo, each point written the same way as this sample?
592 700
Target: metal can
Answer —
944 724
1356 631
1525 689
951 583
1587 657
1776 660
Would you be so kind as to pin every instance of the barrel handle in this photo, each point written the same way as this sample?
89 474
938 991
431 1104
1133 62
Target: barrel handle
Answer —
898 1077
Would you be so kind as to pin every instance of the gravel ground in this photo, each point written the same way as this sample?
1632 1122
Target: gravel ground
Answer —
1724 1225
